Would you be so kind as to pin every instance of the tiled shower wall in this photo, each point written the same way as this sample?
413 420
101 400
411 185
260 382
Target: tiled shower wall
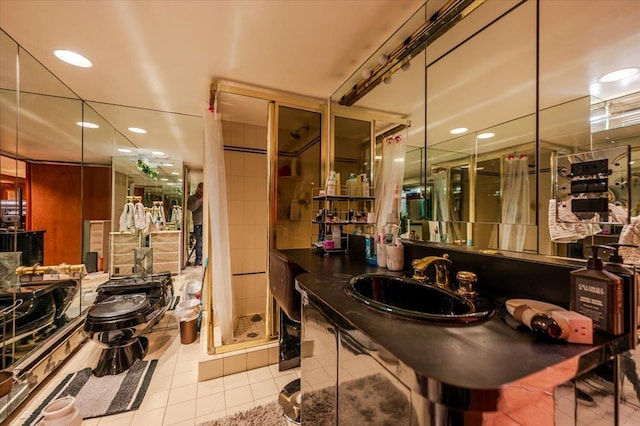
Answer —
246 174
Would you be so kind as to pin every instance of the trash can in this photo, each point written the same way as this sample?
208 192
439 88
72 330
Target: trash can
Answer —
188 313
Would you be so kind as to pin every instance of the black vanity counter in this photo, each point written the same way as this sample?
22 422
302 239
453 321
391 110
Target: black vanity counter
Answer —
487 356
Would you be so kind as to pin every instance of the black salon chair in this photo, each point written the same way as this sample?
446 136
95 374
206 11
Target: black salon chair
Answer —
282 273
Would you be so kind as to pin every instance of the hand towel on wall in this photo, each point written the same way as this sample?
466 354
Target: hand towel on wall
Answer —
570 228
127 221
630 234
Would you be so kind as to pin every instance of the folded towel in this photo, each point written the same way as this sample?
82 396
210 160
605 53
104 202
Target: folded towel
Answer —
567 227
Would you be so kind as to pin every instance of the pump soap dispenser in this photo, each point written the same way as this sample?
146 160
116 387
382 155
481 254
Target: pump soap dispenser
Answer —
598 294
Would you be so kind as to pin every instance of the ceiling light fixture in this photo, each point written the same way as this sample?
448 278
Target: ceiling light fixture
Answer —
619 75
87 124
486 135
73 58
175 173
378 157
137 130
125 150
157 152
458 130
164 179
167 164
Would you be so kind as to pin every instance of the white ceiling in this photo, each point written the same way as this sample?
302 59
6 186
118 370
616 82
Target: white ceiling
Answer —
163 55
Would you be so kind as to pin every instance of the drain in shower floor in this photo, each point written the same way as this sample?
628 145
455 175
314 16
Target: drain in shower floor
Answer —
252 335
256 318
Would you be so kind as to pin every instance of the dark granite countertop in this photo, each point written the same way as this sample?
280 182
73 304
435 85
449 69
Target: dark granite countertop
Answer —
486 356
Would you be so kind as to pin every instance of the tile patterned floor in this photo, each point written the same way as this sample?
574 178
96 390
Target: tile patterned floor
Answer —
248 327
175 397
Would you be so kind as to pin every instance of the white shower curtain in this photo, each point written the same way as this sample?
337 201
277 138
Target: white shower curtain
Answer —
515 202
442 202
388 187
215 189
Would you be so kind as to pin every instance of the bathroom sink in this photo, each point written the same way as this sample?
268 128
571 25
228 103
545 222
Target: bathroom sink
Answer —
407 298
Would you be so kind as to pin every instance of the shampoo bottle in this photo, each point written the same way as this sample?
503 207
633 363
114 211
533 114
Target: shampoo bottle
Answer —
365 186
351 185
331 184
598 294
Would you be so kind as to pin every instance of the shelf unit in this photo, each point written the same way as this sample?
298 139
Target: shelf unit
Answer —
347 213
166 251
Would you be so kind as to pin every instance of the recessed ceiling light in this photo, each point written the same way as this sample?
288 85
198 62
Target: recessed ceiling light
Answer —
125 150
458 130
486 135
167 164
157 152
87 124
619 75
175 173
137 130
73 58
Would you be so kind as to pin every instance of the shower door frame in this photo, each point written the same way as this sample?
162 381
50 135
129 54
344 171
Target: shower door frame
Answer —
275 100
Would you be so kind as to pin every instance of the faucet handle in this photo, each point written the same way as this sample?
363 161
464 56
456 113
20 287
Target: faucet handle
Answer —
467 281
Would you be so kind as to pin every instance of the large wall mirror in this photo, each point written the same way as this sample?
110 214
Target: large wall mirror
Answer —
499 110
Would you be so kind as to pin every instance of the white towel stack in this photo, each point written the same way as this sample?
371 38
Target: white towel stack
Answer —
568 227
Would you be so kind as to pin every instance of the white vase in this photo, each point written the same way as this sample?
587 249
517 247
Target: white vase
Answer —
62 412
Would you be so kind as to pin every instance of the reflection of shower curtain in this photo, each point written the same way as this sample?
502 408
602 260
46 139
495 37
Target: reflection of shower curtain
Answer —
388 187
215 189
442 210
515 202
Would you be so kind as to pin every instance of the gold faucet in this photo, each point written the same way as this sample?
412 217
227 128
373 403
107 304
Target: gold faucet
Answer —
442 265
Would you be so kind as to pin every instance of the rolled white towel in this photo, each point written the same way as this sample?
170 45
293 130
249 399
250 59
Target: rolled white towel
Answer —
568 227
630 234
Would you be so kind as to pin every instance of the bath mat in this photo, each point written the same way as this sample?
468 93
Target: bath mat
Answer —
102 396
264 415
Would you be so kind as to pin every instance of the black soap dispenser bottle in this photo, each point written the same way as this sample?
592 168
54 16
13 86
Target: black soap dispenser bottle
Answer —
598 294
630 280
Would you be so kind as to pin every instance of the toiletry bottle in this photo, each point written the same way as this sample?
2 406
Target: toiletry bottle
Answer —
365 186
630 278
351 185
598 294
370 245
331 183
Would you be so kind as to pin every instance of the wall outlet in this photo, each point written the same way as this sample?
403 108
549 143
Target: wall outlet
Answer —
580 327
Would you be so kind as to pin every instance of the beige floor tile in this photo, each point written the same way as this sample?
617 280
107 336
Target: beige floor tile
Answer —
182 394
159 384
184 365
210 417
264 389
123 419
184 423
265 401
210 404
155 400
146 418
210 386
184 411
183 379
236 380
259 374
282 381
238 396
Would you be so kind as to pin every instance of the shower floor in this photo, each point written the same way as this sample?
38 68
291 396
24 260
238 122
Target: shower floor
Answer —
249 327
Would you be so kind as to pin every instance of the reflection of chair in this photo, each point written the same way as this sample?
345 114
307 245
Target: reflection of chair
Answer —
282 273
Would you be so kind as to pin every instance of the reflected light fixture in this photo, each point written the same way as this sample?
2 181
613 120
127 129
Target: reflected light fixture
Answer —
378 157
175 173
87 124
458 130
164 179
125 150
137 130
486 135
157 152
73 58
619 75
167 164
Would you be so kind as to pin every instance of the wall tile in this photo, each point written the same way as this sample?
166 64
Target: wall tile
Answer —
250 136
234 364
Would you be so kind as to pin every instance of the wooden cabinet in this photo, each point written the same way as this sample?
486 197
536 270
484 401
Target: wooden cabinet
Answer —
166 251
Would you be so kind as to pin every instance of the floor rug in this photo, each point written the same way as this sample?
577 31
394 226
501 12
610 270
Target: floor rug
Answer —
262 415
102 396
